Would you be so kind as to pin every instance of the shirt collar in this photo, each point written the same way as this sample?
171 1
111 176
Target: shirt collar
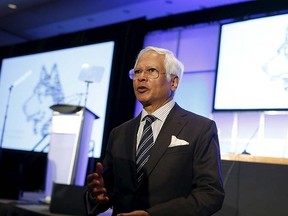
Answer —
161 113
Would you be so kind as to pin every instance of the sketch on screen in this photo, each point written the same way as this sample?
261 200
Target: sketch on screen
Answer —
47 91
277 66
36 108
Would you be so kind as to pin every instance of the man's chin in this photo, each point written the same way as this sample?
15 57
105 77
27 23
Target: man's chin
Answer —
145 103
142 99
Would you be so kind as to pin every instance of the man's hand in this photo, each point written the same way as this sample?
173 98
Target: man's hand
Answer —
95 186
135 213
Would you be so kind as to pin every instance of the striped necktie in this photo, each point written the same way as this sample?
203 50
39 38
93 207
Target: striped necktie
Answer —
145 144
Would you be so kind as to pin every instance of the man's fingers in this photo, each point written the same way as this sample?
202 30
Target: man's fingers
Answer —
99 195
99 169
102 199
98 191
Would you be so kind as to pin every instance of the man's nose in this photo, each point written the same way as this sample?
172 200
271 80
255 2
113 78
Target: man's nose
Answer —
142 75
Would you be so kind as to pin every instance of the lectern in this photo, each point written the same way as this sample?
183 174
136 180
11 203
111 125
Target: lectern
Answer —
69 146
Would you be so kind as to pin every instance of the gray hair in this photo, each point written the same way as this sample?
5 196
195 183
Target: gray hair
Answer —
172 65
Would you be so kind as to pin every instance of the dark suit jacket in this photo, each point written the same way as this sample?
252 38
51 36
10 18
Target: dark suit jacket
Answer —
182 180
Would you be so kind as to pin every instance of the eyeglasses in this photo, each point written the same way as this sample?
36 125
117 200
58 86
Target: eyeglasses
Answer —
150 73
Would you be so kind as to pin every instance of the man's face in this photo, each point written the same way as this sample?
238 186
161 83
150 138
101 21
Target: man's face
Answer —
153 93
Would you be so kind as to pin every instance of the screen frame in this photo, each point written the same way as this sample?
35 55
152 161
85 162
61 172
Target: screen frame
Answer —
216 82
54 78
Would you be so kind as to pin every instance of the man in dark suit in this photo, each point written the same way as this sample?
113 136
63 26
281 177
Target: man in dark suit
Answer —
176 170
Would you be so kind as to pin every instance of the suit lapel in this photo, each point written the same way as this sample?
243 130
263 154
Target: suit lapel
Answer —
133 129
133 134
172 126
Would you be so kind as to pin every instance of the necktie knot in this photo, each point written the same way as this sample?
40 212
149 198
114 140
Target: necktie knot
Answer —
150 119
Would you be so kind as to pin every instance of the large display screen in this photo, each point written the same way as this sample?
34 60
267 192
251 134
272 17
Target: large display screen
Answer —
252 71
31 84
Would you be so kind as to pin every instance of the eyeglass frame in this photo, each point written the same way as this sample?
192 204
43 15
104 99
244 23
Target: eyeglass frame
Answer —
147 73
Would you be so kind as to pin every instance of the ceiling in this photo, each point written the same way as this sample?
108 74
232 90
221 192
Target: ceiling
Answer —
37 19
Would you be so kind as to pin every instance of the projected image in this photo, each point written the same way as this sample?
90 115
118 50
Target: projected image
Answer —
47 91
277 66
252 69
30 84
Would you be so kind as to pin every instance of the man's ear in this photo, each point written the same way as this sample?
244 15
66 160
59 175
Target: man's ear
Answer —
174 82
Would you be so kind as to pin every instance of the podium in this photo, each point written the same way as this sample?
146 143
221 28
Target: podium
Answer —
69 146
